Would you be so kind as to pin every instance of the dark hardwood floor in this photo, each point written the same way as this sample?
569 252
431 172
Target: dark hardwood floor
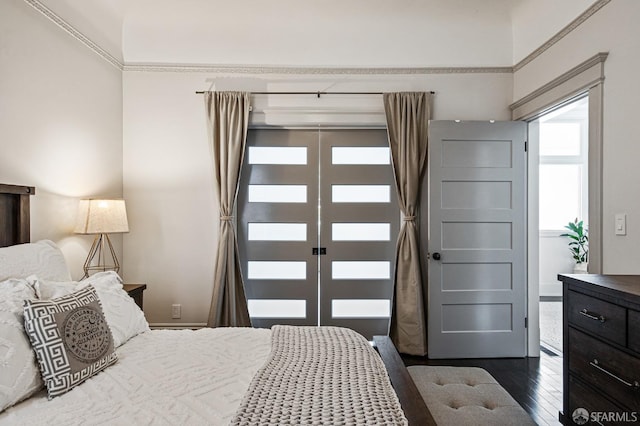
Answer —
536 383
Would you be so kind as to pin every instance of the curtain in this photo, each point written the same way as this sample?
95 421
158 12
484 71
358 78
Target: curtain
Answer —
407 122
227 123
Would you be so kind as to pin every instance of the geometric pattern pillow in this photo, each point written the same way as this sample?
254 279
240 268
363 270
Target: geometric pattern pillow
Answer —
70 337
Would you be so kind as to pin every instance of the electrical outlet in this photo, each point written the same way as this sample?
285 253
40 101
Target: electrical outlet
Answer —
176 311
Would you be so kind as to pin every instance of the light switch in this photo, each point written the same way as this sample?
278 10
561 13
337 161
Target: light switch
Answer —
621 224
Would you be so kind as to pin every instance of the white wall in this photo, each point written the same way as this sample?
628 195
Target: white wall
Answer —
168 179
100 21
621 176
169 189
61 121
534 22
328 33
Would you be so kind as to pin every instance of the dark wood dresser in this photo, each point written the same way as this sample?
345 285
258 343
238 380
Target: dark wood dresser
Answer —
601 348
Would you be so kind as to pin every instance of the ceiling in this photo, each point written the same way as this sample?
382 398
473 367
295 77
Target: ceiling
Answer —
330 33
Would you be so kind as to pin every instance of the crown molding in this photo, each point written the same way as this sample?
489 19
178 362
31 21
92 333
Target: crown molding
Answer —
255 69
562 33
56 19
242 69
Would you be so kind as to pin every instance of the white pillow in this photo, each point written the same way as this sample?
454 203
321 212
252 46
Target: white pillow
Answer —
124 317
19 373
42 258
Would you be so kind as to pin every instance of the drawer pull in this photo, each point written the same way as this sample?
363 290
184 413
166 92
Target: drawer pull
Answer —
635 385
592 316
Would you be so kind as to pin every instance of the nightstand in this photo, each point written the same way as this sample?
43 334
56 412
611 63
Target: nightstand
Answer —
135 291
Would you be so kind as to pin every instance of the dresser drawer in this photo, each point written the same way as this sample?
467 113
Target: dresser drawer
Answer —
597 363
581 396
634 330
601 318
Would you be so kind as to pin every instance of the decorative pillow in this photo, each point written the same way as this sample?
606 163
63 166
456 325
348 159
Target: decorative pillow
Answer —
124 317
19 375
70 337
42 258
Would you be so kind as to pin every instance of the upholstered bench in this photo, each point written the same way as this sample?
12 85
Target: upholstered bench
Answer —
467 396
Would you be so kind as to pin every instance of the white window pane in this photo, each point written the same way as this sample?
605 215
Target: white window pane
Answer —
277 308
560 195
277 232
360 270
360 308
559 138
360 231
277 193
278 155
276 270
360 193
360 155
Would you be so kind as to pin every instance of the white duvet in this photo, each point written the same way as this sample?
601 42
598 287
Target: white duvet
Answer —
162 377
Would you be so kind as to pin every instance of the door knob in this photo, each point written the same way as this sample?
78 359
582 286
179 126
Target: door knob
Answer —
436 256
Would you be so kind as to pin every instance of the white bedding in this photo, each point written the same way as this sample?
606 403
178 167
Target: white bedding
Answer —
162 377
178 377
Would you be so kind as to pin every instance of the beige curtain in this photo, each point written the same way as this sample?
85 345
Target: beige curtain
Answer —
407 121
227 123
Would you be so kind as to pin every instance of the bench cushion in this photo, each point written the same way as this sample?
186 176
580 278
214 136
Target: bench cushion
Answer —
467 396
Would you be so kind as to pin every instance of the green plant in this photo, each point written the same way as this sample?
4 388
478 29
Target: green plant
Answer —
578 241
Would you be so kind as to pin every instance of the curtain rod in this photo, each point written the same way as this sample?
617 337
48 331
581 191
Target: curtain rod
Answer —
313 93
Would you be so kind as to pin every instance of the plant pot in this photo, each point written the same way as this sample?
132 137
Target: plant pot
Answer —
580 268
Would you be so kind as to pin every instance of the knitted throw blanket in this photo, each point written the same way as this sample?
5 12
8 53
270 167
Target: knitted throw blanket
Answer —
320 376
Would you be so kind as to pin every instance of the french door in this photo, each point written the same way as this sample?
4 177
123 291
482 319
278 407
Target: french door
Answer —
317 224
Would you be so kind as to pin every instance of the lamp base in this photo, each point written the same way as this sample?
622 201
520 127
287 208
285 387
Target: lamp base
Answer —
98 253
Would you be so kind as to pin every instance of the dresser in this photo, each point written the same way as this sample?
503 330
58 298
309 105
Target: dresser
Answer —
601 347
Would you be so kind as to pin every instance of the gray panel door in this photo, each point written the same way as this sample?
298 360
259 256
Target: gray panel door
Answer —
278 226
317 223
477 274
359 224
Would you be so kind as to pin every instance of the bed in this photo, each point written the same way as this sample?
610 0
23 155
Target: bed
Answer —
238 376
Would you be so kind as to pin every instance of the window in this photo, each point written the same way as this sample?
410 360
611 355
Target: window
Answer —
563 166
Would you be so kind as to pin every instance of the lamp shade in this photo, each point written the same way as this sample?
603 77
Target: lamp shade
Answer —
101 217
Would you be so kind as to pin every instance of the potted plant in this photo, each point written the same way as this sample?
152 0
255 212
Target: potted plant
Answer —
578 245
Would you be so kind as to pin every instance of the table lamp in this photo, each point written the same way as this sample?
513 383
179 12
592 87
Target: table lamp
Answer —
101 217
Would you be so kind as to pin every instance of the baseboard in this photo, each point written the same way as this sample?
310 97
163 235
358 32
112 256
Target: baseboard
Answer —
550 289
549 350
177 326
551 298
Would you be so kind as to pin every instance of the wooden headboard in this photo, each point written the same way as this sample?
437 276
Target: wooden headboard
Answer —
14 214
